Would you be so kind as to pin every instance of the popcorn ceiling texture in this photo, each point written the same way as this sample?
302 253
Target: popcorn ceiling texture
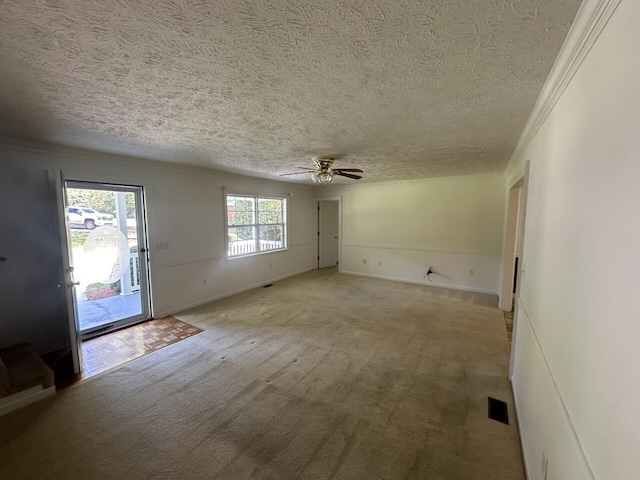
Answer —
401 88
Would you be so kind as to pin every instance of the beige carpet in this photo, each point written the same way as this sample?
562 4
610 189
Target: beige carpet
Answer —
320 376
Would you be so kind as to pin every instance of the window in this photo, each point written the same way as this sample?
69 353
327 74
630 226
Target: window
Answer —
255 225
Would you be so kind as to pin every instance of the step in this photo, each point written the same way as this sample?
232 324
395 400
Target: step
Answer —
24 377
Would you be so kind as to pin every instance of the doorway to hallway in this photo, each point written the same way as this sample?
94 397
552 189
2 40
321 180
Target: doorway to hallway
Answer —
328 233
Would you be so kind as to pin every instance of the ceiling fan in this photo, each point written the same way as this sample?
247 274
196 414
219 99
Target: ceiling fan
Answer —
324 173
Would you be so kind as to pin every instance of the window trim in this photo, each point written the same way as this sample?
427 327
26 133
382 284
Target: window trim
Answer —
256 198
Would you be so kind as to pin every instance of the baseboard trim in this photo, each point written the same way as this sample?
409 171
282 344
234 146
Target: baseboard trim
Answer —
424 282
24 398
173 311
523 446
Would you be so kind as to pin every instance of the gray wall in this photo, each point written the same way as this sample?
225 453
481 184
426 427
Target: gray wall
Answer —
185 209
32 308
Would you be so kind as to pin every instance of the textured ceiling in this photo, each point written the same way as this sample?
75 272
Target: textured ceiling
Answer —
400 88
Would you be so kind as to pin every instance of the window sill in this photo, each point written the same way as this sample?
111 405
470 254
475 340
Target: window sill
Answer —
266 252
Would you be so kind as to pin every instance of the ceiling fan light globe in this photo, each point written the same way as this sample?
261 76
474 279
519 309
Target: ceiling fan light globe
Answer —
322 177
325 177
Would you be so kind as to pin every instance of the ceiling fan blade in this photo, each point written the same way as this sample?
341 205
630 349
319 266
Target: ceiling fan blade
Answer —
347 170
348 175
296 173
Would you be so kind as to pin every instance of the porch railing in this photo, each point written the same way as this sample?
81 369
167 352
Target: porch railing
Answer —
134 268
245 247
130 281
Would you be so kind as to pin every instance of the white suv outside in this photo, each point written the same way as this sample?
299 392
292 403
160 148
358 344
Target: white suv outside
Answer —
88 218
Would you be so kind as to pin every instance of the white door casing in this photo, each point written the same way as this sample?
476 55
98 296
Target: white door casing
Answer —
67 281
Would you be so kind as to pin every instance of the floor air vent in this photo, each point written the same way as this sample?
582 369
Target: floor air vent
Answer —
498 410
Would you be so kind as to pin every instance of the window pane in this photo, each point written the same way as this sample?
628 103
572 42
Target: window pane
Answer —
241 241
271 237
270 210
245 233
271 232
233 234
240 210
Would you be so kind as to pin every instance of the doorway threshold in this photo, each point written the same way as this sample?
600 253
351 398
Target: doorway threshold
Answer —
111 350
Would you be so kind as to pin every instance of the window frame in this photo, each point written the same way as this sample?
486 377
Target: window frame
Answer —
255 225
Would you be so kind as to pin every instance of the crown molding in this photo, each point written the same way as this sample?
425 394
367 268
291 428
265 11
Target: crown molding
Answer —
591 19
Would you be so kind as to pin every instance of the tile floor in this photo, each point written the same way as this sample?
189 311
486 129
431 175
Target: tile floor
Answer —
113 349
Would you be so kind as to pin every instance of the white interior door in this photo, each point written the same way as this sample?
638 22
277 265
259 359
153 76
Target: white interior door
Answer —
67 279
328 232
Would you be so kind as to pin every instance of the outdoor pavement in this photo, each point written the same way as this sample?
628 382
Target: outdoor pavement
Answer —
93 313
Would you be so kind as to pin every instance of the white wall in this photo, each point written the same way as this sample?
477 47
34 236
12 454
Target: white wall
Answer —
453 224
185 209
577 376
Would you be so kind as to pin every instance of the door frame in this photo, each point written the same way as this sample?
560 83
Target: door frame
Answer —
513 235
143 250
57 185
511 239
338 199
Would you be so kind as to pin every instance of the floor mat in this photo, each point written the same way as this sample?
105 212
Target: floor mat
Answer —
109 351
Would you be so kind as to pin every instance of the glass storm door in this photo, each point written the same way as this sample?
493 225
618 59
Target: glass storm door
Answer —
107 255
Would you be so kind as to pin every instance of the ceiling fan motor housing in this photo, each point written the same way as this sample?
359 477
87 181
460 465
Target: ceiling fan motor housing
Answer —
324 173
323 163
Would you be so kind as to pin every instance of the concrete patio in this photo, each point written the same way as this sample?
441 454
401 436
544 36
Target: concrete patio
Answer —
93 313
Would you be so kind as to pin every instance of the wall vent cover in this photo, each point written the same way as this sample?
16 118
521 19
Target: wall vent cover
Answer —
498 410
